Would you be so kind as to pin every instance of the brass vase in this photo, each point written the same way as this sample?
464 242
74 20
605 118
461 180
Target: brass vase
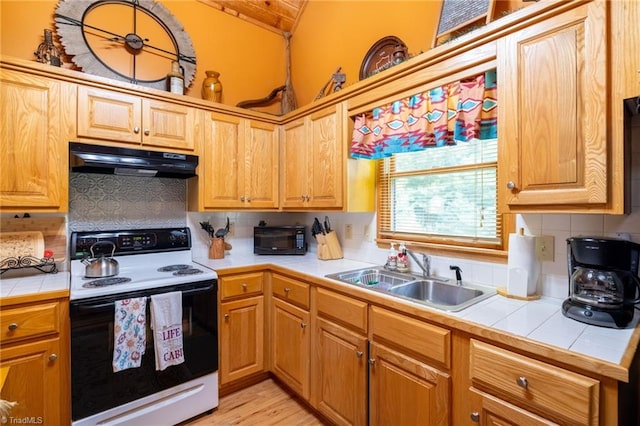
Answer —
211 87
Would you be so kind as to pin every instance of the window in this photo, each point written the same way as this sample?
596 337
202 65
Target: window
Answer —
446 196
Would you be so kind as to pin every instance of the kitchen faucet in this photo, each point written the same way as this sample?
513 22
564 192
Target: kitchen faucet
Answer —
425 265
458 273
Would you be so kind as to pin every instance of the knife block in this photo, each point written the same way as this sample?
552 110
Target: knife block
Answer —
216 249
328 246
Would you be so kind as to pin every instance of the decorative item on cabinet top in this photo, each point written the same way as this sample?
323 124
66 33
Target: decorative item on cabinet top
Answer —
94 32
47 52
385 53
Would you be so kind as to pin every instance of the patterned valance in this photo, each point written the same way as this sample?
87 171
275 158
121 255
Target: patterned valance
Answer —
459 111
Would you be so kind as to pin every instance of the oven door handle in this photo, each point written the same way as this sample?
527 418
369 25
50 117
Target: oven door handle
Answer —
88 307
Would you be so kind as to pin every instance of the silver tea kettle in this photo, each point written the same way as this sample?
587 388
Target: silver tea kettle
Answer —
101 267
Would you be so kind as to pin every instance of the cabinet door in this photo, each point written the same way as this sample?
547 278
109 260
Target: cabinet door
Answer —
168 125
291 346
553 112
37 124
30 375
241 339
110 116
496 412
326 157
404 391
261 166
339 374
223 178
295 173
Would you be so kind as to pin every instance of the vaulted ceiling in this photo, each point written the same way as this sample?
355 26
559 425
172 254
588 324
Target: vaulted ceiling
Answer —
280 16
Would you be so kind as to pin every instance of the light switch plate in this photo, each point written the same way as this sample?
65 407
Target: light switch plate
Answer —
544 248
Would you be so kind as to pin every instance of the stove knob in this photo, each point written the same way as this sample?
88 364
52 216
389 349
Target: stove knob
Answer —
588 314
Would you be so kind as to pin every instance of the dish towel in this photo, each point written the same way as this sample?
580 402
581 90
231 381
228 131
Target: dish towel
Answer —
166 322
129 333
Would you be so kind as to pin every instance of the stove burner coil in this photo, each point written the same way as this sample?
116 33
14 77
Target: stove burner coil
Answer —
190 271
104 282
171 268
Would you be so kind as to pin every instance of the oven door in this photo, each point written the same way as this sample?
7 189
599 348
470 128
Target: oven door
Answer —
96 388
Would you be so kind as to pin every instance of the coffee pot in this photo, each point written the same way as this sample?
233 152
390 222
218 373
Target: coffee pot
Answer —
603 281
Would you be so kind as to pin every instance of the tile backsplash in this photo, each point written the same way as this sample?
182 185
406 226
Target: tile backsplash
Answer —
103 202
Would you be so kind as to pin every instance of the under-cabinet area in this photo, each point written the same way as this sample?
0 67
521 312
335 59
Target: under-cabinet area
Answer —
357 358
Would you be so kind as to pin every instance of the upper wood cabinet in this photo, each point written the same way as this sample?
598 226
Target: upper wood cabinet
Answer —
37 124
553 98
313 158
118 117
239 165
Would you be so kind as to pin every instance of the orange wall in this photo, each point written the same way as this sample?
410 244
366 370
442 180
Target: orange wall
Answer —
333 33
250 59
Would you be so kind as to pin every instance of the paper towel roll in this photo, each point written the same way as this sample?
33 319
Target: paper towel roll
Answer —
522 267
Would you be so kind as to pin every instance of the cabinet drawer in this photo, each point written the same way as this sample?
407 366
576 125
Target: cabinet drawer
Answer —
29 321
241 285
424 341
293 291
342 309
567 396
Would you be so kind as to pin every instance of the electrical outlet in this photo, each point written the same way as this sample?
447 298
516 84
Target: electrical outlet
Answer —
544 248
231 229
348 231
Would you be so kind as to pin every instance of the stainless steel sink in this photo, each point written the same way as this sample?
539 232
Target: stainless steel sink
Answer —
449 297
435 292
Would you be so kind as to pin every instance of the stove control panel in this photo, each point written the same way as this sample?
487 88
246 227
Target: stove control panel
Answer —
129 242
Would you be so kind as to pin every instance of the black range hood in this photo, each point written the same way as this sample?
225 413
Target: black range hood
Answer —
86 158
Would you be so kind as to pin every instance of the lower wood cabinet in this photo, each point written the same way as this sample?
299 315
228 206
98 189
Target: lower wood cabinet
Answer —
339 374
496 412
521 384
34 362
290 340
242 327
242 338
408 379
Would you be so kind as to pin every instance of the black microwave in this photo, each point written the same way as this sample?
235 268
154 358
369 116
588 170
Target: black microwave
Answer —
280 240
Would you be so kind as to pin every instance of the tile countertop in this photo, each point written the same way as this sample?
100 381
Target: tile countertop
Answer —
33 284
539 320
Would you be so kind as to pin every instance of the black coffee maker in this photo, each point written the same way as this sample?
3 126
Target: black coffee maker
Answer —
603 281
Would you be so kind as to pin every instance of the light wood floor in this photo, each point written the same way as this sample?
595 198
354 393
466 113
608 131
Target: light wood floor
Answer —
263 404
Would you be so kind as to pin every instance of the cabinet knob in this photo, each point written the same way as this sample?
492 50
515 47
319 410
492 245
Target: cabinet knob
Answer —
359 354
302 197
511 185
242 198
372 361
136 130
248 199
147 132
287 289
522 382
308 197
244 286
13 326
303 325
226 317
53 357
475 417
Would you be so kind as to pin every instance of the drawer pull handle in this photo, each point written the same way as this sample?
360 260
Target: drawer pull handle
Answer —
522 382
53 357
475 417
13 326
287 289
359 354
244 286
226 317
